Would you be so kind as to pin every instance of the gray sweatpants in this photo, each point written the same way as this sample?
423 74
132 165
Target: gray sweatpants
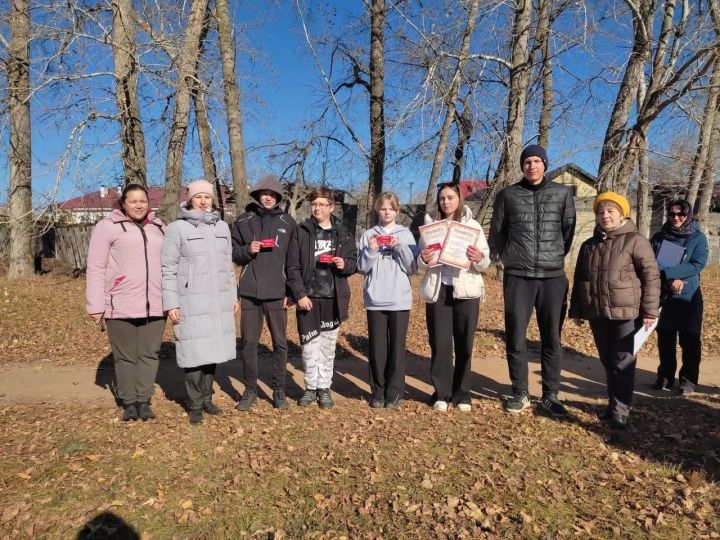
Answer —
135 345
319 359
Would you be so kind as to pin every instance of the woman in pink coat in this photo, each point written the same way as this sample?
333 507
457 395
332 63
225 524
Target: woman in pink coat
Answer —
124 289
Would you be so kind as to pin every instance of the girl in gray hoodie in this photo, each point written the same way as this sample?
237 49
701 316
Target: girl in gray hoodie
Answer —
387 259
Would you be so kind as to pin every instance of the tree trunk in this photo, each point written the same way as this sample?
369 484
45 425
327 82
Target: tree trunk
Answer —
126 81
203 123
186 61
376 161
19 153
707 185
706 128
709 136
509 166
546 76
232 106
644 191
451 102
612 148
464 128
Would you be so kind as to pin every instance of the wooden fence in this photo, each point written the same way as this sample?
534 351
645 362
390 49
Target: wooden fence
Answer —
71 244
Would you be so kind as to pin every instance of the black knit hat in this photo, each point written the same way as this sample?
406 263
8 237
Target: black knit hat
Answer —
534 150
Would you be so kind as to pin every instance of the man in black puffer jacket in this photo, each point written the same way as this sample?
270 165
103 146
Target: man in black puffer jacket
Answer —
532 229
264 239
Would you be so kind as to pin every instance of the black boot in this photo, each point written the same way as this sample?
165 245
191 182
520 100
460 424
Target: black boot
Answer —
130 412
144 411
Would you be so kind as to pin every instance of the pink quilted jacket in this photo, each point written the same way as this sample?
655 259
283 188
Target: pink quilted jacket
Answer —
124 280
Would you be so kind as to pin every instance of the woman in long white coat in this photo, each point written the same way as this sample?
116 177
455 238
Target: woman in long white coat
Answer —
200 295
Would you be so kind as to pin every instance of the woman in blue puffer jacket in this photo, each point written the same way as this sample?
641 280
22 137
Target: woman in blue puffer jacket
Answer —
682 301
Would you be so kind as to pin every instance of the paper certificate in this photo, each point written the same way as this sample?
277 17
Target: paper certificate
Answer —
642 334
454 251
432 236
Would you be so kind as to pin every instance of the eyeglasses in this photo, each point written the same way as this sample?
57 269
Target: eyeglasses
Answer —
319 205
677 214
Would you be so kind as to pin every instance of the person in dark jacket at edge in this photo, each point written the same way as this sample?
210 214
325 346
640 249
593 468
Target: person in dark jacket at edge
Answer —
682 300
317 277
264 239
531 231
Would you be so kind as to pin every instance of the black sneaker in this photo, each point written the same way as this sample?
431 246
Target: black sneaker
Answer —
605 415
130 412
248 399
310 396
517 403
325 400
377 403
195 417
144 411
551 405
279 400
212 409
661 384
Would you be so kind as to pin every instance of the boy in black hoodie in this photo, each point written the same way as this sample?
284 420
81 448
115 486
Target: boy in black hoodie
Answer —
264 239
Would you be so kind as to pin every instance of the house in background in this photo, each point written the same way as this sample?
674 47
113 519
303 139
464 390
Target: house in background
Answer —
91 207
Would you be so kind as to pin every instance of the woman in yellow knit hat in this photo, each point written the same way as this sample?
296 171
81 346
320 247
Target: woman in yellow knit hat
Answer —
616 288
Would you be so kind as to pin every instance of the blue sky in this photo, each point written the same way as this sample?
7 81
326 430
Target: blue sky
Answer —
283 92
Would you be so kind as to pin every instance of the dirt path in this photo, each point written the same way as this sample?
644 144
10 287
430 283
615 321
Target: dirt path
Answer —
583 380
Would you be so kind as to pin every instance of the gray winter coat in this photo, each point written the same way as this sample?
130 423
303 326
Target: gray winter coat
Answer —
199 279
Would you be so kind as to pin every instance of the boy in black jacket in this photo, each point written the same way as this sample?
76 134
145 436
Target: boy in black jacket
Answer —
326 256
264 239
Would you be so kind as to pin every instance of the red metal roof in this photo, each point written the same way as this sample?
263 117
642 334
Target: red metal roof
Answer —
469 187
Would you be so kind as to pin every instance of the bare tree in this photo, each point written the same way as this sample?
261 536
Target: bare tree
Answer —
376 160
464 128
20 157
126 81
187 62
232 105
450 104
710 119
671 77
542 44
517 101
708 179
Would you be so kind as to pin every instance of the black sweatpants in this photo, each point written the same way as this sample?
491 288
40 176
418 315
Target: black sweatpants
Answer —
451 322
387 334
199 385
691 346
548 296
253 311
614 342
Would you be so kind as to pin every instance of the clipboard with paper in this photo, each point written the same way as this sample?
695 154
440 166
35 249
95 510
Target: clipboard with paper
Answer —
670 254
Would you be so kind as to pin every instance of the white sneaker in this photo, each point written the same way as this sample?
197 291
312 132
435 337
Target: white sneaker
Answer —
441 406
464 407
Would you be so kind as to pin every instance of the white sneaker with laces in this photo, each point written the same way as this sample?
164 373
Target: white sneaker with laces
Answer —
464 407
